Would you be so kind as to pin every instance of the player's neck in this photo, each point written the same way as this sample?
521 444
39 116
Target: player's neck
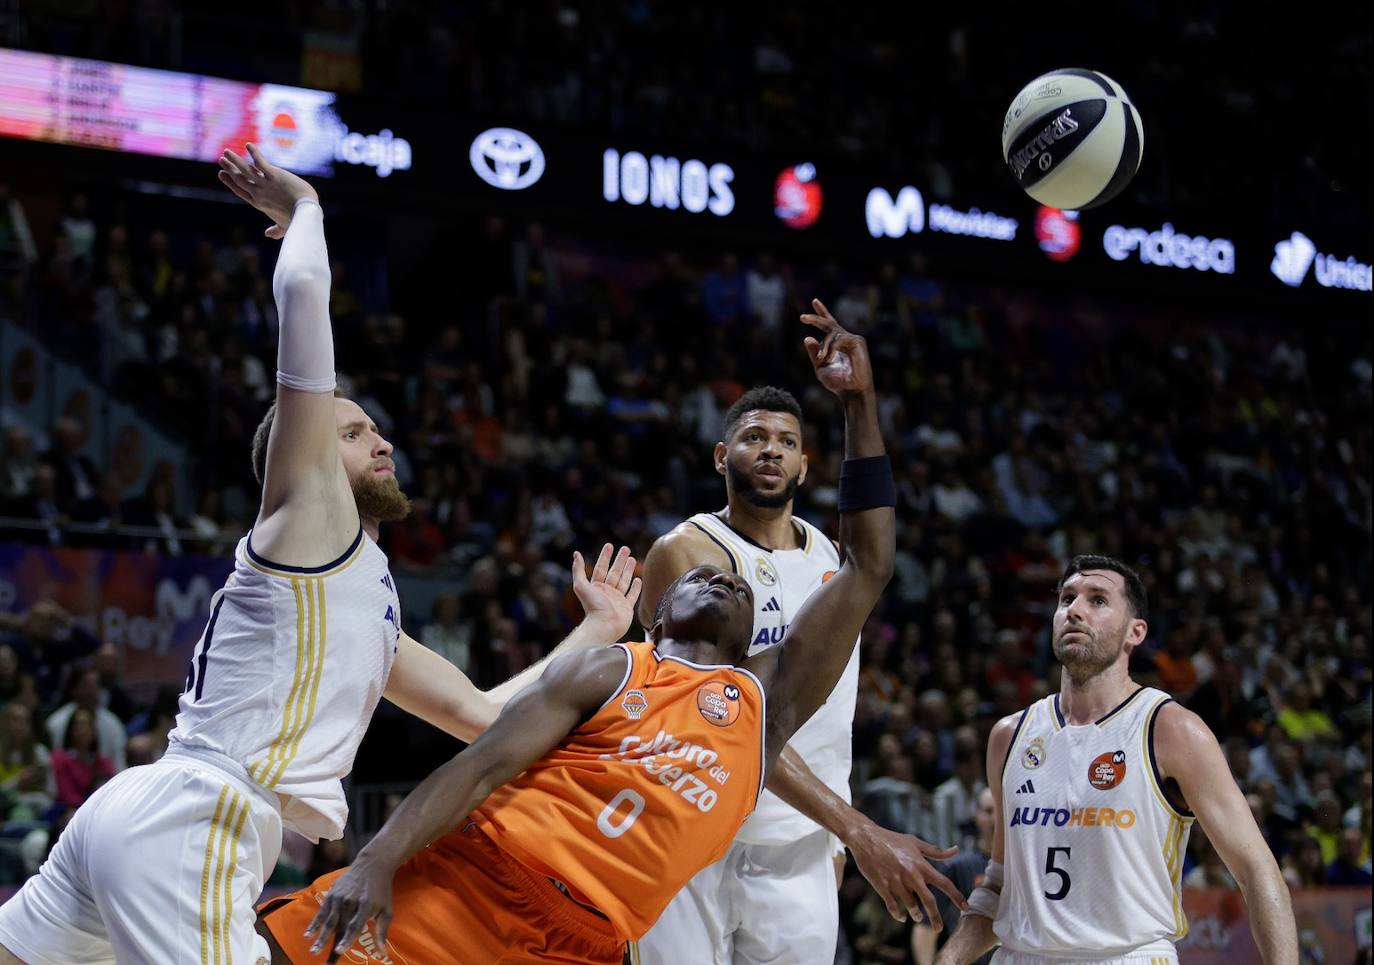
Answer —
770 527
693 651
372 528
1092 699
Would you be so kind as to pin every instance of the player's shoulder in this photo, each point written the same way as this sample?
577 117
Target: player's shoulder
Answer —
688 543
592 675
1175 726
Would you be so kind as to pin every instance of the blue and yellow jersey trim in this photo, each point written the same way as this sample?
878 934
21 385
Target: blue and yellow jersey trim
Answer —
217 876
264 565
299 709
736 560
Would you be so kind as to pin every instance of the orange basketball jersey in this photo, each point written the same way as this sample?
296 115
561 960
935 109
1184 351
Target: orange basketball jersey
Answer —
650 790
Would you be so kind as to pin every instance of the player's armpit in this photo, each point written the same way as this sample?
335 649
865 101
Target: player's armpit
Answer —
673 554
999 742
1187 751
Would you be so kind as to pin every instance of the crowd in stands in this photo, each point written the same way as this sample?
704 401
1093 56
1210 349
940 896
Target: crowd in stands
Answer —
574 397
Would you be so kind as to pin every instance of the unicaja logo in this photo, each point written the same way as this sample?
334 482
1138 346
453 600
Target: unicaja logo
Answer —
506 158
1292 258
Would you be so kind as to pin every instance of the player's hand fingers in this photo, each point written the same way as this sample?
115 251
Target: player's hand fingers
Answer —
925 902
936 853
616 577
354 930
635 588
265 168
894 907
579 569
603 564
276 232
228 181
819 306
237 165
383 926
950 889
322 925
813 349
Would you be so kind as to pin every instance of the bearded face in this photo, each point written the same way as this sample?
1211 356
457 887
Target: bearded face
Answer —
763 461
1094 624
379 497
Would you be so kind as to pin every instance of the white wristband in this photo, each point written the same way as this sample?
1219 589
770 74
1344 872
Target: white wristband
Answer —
987 896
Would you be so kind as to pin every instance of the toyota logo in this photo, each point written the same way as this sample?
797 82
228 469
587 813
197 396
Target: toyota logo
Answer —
506 158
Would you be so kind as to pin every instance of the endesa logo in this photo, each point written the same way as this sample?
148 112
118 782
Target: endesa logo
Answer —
1168 248
666 182
907 214
1057 233
1292 259
797 196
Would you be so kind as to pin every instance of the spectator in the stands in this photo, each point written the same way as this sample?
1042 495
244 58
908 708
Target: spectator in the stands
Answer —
18 466
107 729
77 477
112 693
1349 868
447 633
79 767
46 639
26 779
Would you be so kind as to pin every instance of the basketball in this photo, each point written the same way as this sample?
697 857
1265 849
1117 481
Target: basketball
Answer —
1072 139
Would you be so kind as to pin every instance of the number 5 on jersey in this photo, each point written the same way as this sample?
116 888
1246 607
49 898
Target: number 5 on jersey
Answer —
1052 869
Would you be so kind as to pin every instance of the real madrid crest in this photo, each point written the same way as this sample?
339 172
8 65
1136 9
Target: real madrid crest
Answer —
763 569
1034 755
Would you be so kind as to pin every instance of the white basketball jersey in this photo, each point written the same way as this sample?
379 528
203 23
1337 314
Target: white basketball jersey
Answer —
1094 848
782 580
288 671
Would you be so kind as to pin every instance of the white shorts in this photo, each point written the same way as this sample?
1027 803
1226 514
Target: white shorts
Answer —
775 904
1156 953
161 865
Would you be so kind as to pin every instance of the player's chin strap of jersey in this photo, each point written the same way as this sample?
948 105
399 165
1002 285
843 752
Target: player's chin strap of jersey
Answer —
986 896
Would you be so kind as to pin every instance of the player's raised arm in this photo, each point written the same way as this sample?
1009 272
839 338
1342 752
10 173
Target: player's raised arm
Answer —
821 638
426 685
303 465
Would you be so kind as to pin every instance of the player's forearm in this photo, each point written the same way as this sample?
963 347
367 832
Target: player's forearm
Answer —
1270 907
435 807
868 536
586 635
972 938
300 285
794 782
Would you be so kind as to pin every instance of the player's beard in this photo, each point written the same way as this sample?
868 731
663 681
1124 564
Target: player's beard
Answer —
380 498
743 483
1085 662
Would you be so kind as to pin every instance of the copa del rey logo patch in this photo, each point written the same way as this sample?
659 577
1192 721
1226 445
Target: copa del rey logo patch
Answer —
1107 770
635 704
718 703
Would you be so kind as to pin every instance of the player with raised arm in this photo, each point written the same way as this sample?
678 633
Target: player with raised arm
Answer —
1096 788
164 862
563 832
773 897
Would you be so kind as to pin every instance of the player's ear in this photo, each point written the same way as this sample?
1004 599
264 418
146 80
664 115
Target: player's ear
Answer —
719 454
801 476
1135 633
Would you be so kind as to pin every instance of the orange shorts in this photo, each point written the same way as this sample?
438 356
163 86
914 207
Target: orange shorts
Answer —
461 901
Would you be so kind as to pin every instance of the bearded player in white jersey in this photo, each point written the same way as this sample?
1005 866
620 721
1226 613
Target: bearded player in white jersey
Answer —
164 862
773 898
1096 788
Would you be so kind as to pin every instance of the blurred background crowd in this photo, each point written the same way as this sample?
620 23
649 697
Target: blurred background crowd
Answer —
573 394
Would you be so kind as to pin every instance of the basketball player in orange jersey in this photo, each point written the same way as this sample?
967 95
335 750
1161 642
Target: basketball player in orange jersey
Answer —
562 832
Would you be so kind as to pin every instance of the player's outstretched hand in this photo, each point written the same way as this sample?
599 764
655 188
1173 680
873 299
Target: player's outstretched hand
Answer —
272 190
360 894
611 594
840 357
898 867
